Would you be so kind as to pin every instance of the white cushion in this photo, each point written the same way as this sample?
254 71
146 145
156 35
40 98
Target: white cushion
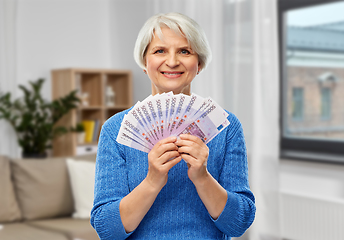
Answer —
81 174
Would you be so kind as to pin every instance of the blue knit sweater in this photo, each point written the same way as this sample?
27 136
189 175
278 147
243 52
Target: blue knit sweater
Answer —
178 212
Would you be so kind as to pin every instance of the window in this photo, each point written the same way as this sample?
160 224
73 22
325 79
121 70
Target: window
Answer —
297 105
325 103
312 79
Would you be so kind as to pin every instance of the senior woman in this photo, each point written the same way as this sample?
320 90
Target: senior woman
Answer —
156 195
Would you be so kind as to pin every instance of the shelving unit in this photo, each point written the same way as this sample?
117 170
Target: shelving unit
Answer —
91 85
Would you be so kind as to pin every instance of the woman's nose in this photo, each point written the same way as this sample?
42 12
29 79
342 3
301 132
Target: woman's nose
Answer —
172 60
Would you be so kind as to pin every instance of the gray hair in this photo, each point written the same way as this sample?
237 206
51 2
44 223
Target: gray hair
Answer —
180 24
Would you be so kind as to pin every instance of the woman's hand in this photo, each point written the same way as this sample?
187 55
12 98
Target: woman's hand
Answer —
133 207
195 152
163 156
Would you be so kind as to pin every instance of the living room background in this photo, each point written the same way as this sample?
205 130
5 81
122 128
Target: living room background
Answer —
44 35
37 36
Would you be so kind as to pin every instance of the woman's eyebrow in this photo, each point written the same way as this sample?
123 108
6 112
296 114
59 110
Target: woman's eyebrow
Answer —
179 48
155 47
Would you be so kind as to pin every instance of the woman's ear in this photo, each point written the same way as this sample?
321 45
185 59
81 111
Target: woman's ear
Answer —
145 68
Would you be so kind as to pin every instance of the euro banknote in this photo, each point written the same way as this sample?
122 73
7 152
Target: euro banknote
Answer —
163 115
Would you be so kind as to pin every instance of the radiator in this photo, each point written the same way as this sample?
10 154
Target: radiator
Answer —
311 218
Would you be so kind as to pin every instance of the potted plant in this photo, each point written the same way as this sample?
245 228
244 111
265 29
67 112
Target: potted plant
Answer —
33 118
79 129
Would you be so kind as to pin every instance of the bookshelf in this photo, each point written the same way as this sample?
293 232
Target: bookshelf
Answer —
103 93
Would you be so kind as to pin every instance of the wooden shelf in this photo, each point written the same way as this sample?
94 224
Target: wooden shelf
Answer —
91 107
92 87
117 107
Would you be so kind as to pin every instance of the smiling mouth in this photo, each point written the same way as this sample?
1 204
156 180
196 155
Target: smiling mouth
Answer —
172 73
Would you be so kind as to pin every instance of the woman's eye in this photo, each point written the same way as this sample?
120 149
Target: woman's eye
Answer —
184 51
159 51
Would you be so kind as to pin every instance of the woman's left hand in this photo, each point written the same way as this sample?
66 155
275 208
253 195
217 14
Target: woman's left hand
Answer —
195 152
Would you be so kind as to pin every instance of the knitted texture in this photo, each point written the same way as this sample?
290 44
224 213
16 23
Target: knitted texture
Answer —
178 212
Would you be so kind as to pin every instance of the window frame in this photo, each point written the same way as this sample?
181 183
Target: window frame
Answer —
331 151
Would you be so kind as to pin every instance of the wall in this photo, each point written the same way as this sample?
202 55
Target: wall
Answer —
59 34
315 179
75 33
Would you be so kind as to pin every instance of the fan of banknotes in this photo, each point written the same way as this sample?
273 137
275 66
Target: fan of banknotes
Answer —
163 115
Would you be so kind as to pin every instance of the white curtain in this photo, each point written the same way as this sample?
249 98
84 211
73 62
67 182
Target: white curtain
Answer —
8 81
252 82
244 78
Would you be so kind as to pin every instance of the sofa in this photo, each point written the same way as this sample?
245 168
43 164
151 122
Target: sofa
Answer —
48 199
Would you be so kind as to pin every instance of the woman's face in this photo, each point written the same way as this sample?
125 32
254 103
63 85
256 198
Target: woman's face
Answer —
171 64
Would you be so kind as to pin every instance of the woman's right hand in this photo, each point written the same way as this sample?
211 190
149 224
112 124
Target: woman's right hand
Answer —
133 207
163 156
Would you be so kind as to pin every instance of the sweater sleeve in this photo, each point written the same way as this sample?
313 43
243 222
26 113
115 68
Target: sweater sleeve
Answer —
110 184
239 211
